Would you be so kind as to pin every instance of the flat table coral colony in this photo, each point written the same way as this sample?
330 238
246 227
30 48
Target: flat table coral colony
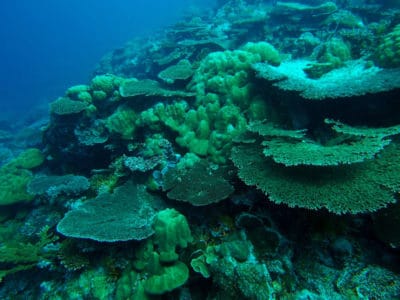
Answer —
284 99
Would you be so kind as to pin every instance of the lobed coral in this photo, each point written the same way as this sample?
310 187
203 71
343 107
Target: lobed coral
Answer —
388 52
122 122
15 176
225 76
207 130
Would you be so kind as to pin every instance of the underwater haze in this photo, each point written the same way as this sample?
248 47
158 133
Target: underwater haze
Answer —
236 149
50 45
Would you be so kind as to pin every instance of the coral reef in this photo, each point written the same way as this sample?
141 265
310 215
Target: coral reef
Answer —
325 186
360 79
388 52
251 152
128 213
183 70
54 186
198 184
66 106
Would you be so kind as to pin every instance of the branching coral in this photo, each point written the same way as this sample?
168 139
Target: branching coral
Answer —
21 256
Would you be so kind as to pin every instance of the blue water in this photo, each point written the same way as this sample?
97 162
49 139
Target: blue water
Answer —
47 45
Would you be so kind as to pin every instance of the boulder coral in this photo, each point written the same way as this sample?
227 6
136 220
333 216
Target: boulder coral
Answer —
16 175
225 76
388 53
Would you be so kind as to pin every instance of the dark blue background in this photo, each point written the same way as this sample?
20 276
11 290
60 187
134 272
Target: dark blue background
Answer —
48 45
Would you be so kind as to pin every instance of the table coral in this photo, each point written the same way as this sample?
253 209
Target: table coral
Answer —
128 213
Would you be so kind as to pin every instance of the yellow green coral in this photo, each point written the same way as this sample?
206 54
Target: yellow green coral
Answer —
334 53
80 93
388 52
108 83
122 122
15 176
225 76
29 159
18 255
207 130
13 183
66 106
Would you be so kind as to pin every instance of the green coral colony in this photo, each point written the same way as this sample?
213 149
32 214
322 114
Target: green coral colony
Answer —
204 169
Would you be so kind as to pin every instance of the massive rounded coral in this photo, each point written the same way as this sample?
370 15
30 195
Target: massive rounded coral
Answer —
388 52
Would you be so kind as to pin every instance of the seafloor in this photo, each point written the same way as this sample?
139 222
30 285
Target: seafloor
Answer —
251 152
